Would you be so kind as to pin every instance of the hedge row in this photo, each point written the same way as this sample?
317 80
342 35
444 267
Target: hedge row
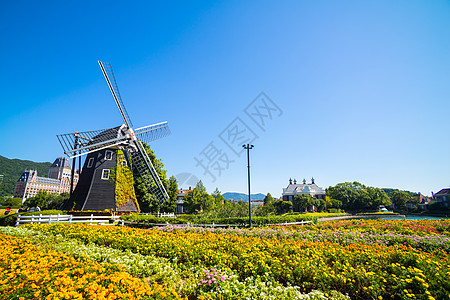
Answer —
184 219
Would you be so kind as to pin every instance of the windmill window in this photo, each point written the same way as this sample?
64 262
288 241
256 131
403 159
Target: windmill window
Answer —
90 162
105 174
108 155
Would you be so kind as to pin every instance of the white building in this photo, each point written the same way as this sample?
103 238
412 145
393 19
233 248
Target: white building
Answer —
304 188
58 181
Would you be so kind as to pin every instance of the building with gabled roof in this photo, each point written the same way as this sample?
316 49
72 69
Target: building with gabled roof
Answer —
304 188
57 182
443 197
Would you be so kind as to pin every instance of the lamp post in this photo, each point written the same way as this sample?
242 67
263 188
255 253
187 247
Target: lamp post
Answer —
248 147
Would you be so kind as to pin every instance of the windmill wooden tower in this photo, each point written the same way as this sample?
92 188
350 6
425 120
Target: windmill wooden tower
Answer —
106 181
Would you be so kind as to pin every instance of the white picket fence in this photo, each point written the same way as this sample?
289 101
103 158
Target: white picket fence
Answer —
292 223
38 219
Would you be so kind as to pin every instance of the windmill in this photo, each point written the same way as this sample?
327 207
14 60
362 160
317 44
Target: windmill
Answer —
107 152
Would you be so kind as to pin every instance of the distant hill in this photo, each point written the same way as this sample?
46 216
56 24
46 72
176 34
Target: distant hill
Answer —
11 169
242 197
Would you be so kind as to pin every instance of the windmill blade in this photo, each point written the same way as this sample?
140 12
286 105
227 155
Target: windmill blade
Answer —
152 132
111 80
80 143
142 162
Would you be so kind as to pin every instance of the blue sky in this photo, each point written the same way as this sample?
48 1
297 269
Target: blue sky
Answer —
354 90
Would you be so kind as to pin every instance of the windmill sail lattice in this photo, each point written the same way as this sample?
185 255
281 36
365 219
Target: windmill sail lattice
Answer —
111 80
121 137
144 165
80 143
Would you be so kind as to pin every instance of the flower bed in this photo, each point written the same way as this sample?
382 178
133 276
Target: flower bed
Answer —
360 270
342 236
424 227
197 282
27 272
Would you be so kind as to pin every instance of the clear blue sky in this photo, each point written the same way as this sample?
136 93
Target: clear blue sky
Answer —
360 90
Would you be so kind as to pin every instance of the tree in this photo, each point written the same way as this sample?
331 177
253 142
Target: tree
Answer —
321 204
355 196
399 199
172 191
199 199
302 202
332 203
283 206
305 202
12 202
218 198
55 201
47 201
268 198
378 197
347 193
415 200
40 199
268 207
147 201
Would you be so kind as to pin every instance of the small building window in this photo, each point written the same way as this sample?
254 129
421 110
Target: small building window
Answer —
108 155
90 162
105 174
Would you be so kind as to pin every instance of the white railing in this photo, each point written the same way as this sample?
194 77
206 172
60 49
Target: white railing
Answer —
91 219
161 215
164 215
292 223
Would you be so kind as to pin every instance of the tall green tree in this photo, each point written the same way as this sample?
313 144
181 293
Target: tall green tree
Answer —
147 201
399 199
172 191
268 207
199 200
219 200
268 198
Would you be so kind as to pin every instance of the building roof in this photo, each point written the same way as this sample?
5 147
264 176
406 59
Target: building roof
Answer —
29 175
303 188
45 180
183 191
443 192
61 162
